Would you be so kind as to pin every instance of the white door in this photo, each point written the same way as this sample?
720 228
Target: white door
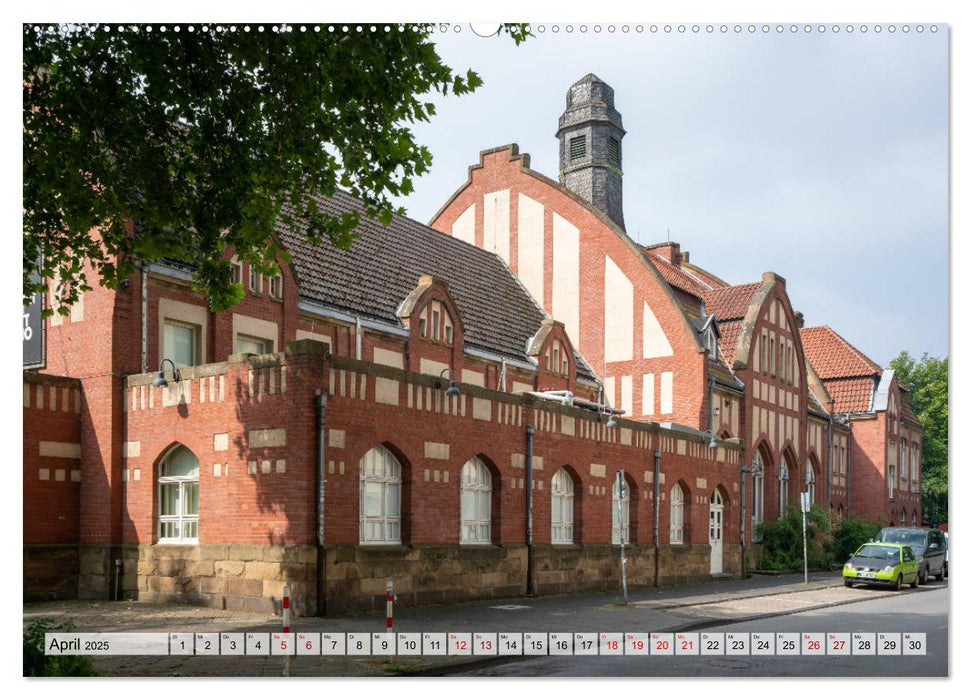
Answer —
715 512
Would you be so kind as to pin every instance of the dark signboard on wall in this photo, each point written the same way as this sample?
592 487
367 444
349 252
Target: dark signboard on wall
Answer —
33 328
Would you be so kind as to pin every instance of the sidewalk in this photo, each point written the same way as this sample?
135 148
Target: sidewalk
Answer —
649 610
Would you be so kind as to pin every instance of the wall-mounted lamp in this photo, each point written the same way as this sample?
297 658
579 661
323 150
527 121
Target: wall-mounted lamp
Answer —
160 379
453 389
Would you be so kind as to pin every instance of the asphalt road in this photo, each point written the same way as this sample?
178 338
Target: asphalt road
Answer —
924 610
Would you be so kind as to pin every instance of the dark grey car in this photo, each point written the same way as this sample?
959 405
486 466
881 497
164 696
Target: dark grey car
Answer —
929 545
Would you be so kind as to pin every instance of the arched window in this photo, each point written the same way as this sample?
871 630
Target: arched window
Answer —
783 487
839 512
810 482
380 497
476 503
677 515
561 490
620 514
178 497
758 493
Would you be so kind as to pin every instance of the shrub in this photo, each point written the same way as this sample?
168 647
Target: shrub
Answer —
37 663
782 540
849 535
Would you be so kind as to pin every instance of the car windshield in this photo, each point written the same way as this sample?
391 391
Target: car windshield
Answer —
914 539
875 551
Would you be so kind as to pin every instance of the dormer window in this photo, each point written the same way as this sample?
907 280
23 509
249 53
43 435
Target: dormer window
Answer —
435 324
557 361
711 343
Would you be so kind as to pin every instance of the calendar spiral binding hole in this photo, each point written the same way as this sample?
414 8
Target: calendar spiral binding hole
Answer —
583 29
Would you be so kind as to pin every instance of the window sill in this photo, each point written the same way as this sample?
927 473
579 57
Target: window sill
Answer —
177 543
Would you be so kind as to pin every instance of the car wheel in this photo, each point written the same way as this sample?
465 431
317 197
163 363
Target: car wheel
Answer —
847 583
898 584
923 576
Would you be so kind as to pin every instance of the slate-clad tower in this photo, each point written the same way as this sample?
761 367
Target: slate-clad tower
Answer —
590 137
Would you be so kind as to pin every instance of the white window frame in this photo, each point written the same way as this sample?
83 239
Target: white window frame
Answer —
891 479
276 286
388 476
255 280
182 483
620 529
267 343
476 480
783 487
192 328
561 492
758 495
677 514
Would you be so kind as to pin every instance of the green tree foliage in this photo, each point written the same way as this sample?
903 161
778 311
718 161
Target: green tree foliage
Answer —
848 536
926 379
182 143
37 663
782 540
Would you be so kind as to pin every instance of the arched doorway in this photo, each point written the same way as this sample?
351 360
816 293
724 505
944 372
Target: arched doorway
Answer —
716 511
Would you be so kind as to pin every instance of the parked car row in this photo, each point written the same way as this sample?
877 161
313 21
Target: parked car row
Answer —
898 556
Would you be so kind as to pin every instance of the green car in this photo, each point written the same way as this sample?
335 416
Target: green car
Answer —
880 562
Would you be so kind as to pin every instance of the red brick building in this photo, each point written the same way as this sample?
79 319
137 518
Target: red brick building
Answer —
675 343
312 436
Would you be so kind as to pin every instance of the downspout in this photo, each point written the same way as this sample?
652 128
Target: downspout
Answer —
357 337
741 523
657 496
321 574
849 471
145 269
529 510
829 469
711 400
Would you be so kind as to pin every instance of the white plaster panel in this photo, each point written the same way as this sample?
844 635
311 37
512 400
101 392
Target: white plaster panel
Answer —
566 275
627 394
386 391
336 439
464 226
220 442
470 376
131 449
481 409
532 253
436 450
647 395
618 314
655 342
267 437
390 358
598 470
567 425
667 392
432 367
609 396
68 450
495 223
520 387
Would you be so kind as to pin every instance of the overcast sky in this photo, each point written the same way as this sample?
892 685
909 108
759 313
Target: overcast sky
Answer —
822 156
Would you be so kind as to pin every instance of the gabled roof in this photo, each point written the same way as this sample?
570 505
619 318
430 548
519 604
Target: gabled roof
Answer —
833 357
854 395
730 303
675 276
385 263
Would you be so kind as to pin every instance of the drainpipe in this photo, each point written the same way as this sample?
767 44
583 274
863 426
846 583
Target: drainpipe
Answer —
145 269
657 496
741 523
321 559
829 470
357 337
711 400
849 471
529 510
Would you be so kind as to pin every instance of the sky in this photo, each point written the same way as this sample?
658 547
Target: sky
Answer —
820 156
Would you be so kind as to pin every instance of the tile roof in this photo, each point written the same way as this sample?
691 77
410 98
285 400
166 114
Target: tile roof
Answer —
854 395
675 276
730 303
384 264
704 275
729 340
833 357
